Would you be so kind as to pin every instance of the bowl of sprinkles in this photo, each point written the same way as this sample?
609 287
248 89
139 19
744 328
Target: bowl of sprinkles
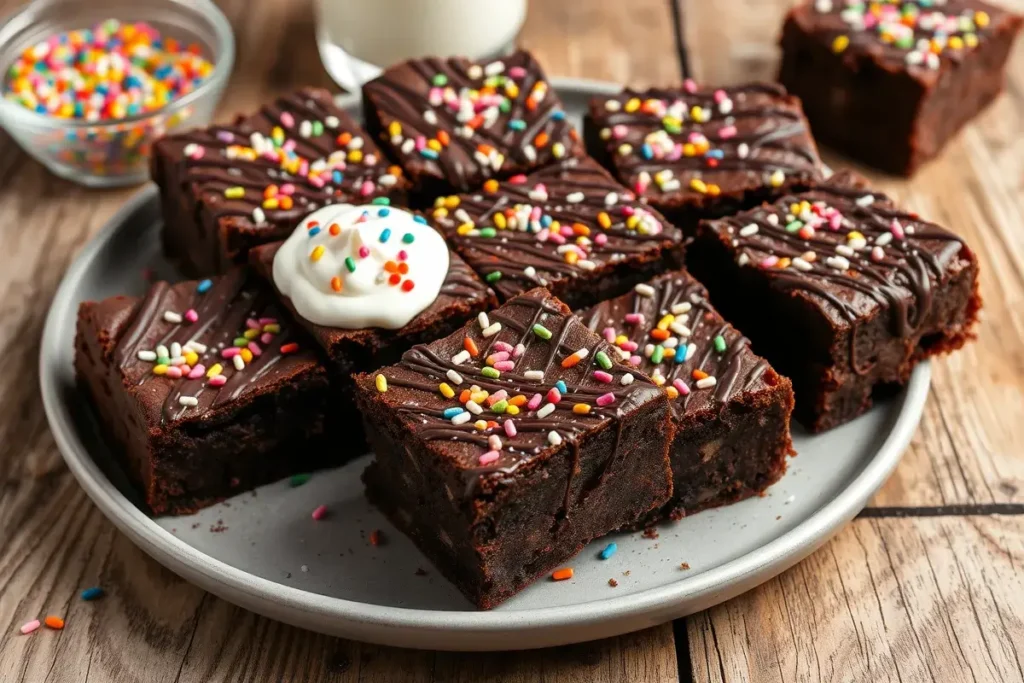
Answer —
89 86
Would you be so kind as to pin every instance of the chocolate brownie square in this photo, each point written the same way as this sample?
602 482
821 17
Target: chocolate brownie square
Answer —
227 188
731 409
890 83
506 447
452 123
700 152
843 291
568 227
206 389
352 345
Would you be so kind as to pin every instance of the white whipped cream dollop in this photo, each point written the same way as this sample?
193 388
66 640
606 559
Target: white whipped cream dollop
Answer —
354 267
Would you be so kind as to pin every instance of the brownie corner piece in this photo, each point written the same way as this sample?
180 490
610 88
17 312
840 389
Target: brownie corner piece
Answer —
890 84
698 151
731 409
453 123
504 448
569 227
841 290
189 423
229 187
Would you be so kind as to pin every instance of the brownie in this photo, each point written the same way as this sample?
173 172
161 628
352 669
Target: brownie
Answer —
568 227
731 409
452 123
462 296
841 290
890 83
191 424
504 448
699 152
227 188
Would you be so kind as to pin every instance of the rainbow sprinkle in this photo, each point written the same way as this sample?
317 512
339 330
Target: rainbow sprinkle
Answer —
110 72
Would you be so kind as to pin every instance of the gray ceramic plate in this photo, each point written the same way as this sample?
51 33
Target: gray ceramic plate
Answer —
263 551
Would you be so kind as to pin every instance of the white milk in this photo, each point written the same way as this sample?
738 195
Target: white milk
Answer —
382 32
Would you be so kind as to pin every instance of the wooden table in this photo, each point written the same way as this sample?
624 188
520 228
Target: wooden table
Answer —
927 584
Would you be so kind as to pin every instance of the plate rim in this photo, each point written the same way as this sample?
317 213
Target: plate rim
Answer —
443 629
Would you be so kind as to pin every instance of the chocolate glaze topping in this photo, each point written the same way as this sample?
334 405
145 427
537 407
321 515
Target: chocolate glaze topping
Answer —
735 368
542 215
223 313
301 145
728 139
849 248
891 32
489 120
413 388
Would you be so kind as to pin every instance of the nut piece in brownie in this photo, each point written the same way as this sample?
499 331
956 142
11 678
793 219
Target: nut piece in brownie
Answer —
452 123
731 409
841 290
227 188
369 282
889 83
206 389
505 448
699 152
568 227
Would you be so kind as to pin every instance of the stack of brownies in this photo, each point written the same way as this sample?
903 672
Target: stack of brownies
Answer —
507 321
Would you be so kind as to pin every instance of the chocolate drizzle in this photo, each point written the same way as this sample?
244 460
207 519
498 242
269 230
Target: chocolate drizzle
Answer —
760 132
402 95
222 314
422 369
899 267
835 19
736 369
222 166
524 262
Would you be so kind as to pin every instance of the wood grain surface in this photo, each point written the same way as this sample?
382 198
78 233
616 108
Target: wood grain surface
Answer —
926 585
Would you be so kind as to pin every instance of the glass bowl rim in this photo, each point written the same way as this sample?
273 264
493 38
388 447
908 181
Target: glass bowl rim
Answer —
12 113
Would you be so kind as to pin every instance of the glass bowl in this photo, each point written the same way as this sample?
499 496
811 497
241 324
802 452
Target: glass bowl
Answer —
113 152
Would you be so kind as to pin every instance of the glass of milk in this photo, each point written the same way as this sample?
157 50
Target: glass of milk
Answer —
357 38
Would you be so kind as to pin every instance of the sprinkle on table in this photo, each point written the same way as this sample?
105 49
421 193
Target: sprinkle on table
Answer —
93 593
29 627
56 623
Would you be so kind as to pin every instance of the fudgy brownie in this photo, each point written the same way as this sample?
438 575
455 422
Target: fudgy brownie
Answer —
452 123
841 290
506 447
339 233
700 152
227 188
731 409
889 83
206 389
568 227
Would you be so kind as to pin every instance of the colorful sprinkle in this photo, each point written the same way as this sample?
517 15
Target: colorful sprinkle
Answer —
382 383
608 551
562 574
29 627
319 512
93 593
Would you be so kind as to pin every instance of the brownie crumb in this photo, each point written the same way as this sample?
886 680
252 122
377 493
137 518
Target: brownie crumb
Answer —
613 583
377 538
684 566
420 571
650 532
